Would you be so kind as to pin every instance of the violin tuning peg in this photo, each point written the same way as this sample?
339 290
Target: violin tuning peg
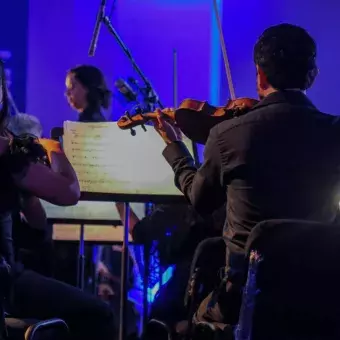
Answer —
133 132
127 114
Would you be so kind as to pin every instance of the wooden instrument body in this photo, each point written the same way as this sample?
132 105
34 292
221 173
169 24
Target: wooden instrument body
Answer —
50 146
195 118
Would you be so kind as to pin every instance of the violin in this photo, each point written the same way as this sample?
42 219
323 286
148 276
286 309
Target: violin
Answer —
27 148
50 146
193 117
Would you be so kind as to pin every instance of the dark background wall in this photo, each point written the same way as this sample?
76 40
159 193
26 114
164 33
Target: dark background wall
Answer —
14 38
244 21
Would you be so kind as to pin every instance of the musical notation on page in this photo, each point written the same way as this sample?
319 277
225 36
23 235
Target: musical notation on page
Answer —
109 160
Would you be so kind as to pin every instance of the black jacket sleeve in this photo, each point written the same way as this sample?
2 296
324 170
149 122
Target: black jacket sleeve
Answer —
202 187
158 223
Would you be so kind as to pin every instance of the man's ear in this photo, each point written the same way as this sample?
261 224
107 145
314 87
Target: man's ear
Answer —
262 80
312 74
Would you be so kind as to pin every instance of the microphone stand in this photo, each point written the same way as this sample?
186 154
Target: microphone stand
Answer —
152 99
150 92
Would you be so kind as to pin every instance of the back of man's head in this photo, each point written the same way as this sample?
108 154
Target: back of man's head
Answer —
23 123
286 54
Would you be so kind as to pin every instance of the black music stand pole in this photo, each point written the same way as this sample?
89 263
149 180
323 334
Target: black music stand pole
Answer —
124 275
81 259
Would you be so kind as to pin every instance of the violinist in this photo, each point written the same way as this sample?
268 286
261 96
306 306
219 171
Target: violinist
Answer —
279 160
31 231
24 167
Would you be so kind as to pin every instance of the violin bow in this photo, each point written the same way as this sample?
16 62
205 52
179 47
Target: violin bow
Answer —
4 87
224 52
12 102
175 79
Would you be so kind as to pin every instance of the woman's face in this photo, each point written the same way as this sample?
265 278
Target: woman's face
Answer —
76 93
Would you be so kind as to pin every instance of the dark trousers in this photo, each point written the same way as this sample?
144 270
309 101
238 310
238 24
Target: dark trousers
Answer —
222 306
38 297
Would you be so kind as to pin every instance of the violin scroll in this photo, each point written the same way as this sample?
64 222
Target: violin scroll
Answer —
129 121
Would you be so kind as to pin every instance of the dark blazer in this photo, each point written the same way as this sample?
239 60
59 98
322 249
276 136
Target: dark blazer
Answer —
280 160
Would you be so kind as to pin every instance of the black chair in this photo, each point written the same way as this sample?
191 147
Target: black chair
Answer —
157 330
205 274
293 283
208 259
31 329
12 328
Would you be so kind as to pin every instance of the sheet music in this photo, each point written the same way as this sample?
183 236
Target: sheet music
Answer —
87 210
109 160
94 233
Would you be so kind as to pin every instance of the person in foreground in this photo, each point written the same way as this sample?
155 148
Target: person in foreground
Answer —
280 160
32 234
28 294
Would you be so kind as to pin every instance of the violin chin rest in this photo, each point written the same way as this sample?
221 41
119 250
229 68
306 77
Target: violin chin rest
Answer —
196 125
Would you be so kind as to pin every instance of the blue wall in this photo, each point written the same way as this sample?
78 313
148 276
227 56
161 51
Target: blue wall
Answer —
244 22
13 38
60 33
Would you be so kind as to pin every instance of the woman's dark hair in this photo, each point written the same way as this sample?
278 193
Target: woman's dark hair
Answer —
4 112
287 55
93 80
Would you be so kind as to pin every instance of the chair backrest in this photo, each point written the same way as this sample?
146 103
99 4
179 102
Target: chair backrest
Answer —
293 286
208 258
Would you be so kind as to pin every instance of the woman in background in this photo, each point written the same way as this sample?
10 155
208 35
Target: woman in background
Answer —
87 93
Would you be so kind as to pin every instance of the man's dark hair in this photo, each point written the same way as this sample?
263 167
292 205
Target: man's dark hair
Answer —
93 79
286 54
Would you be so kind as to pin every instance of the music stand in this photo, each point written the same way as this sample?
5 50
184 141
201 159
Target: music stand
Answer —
81 244
126 199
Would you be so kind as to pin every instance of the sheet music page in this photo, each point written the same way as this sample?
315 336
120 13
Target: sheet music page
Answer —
88 210
110 160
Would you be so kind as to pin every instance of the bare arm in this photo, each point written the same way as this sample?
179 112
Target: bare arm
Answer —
34 212
133 219
58 185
